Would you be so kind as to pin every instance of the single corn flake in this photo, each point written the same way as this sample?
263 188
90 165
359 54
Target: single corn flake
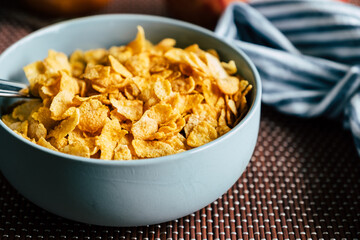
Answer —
23 111
58 143
61 102
122 152
201 134
160 112
229 67
119 68
109 137
77 63
170 129
231 106
65 126
93 115
20 127
81 138
162 89
93 72
215 67
8 120
56 61
144 128
152 149
36 130
77 149
130 109
228 85
138 45
183 85
96 56
211 92
42 142
165 44
222 127
68 83
192 120
35 73
178 142
175 55
139 65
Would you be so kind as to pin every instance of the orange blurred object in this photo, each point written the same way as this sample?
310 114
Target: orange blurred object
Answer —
202 12
218 6
65 7
356 2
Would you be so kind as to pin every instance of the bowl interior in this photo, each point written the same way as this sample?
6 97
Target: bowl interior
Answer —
104 31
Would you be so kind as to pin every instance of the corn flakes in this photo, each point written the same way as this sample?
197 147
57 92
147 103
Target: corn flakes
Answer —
129 102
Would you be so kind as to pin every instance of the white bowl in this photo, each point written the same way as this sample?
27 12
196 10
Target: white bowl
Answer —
125 193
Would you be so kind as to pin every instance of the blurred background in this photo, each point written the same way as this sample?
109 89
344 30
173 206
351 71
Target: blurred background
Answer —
326 176
39 13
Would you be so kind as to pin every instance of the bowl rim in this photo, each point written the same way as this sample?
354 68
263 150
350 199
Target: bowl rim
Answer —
141 17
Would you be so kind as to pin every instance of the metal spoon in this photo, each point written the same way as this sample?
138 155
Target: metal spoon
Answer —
12 89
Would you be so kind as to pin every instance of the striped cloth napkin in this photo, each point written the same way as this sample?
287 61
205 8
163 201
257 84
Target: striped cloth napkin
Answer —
307 53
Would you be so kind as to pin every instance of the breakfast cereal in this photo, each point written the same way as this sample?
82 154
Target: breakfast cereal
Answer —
134 101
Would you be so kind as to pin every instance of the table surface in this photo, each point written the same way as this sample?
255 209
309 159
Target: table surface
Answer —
301 183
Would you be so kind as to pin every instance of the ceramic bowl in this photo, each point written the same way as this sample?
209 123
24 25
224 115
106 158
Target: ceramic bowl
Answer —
124 193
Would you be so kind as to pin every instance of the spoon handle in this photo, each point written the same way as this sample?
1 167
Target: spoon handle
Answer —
13 89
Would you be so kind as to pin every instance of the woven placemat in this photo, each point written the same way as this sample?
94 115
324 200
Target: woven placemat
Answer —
303 182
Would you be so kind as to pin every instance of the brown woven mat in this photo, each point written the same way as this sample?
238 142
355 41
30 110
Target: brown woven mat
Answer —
303 182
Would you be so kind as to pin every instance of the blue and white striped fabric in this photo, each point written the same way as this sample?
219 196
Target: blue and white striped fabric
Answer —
307 53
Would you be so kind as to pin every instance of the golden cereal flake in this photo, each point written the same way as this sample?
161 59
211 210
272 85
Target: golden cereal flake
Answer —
93 115
152 149
65 126
201 134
